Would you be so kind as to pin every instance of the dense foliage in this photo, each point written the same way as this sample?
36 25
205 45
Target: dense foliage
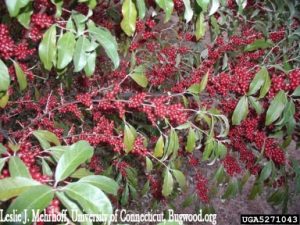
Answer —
130 99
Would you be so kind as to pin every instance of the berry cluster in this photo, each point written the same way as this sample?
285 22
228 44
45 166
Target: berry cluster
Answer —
202 188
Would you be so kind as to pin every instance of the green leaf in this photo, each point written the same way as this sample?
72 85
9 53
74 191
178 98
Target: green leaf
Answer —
73 209
259 44
90 198
220 174
266 86
141 8
258 81
14 6
200 27
30 201
78 153
129 17
266 171
17 168
14 147
25 16
240 111
138 75
90 66
149 165
276 107
159 147
21 77
256 105
167 6
108 42
46 168
180 178
296 92
168 183
65 49
188 13
4 100
232 189
217 31
58 4
215 4
129 137
198 88
4 77
203 4
256 190
203 82
221 150
47 48
45 138
79 20
104 183
13 186
191 141
173 144
58 151
3 149
276 198
2 163
208 150
81 172
241 3
80 55
125 195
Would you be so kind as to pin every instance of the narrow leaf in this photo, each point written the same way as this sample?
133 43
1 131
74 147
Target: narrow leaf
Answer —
240 111
129 138
180 178
80 55
259 44
167 6
214 7
200 27
188 13
90 66
159 147
266 171
191 141
65 49
21 77
108 42
47 47
129 17
4 77
141 8
258 81
276 107
4 100
168 184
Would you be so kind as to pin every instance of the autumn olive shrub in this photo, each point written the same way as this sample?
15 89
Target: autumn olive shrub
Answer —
104 102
